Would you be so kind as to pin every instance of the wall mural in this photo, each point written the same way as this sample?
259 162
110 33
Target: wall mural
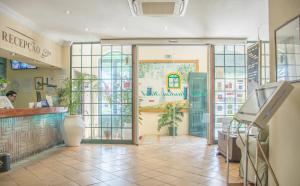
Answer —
163 83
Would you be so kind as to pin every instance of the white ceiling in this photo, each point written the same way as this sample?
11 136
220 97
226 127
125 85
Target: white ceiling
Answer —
106 19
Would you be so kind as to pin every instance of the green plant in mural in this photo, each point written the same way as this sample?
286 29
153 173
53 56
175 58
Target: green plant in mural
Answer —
184 70
171 117
144 68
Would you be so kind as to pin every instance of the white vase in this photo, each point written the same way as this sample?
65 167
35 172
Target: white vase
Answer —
3 86
73 130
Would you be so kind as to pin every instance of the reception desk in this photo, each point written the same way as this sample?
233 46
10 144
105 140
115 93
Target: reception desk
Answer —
24 132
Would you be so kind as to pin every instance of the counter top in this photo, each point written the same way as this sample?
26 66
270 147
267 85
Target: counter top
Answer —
8 113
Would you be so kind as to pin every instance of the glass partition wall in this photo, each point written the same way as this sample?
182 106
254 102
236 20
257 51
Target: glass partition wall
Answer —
106 103
230 72
230 82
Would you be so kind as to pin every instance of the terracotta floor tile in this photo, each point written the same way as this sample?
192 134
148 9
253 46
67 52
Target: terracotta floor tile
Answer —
180 161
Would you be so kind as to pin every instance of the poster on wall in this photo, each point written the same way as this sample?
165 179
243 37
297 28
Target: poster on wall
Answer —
253 66
164 83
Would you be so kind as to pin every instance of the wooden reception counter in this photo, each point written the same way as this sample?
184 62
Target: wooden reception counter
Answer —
24 132
7 113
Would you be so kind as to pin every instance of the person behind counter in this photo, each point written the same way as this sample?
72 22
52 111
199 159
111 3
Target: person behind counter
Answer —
11 95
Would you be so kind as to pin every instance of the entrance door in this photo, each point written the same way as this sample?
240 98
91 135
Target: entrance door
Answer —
198 111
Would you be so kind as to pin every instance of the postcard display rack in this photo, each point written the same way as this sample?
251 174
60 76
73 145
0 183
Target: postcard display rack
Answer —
258 109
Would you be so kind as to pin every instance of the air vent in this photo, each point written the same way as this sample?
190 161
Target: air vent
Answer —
158 7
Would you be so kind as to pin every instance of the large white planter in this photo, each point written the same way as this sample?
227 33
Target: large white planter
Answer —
73 130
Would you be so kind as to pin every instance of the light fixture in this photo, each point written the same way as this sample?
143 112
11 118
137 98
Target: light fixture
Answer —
166 28
124 28
68 12
86 29
173 41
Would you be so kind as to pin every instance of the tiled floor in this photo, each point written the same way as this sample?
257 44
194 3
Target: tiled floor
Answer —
180 161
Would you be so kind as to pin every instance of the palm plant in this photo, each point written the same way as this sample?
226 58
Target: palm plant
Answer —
69 98
171 117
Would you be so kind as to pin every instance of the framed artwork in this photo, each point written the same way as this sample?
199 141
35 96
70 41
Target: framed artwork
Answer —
287 42
38 83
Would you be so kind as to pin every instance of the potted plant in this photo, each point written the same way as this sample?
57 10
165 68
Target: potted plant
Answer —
3 85
171 118
72 129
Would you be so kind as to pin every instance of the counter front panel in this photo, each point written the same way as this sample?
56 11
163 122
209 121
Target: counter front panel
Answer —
24 133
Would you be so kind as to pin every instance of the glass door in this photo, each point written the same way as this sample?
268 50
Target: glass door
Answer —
198 111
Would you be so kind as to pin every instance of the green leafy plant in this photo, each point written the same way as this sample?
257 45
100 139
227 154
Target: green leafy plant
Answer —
171 117
69 98
3 84
3 80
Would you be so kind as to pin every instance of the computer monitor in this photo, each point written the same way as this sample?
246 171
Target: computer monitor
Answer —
44 103
263 103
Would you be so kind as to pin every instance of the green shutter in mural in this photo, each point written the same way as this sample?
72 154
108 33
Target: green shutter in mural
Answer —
173 81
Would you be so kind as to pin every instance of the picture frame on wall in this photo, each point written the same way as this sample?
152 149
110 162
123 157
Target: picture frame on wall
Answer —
287 43
38 83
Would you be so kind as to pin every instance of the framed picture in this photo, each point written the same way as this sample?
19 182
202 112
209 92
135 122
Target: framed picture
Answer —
287 42
38 83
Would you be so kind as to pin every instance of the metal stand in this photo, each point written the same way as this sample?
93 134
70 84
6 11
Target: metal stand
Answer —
247 156
246 144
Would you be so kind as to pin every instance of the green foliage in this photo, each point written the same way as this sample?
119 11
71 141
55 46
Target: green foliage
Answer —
172 117
69 98
3 80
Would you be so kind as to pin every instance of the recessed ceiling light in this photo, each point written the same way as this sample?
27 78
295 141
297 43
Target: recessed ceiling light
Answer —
68 12
86 29
166 28
124 28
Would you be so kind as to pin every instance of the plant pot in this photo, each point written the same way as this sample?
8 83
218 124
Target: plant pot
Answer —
172 131
107 135
73 130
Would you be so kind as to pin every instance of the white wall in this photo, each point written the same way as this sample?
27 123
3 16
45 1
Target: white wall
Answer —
284 141
149 125
176 53
285 125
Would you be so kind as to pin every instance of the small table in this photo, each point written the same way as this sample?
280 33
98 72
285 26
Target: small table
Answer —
234 153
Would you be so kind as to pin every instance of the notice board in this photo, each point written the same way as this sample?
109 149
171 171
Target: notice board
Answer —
253 67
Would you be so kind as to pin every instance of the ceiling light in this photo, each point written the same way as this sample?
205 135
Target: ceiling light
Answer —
166 28
173 41
86 29
68 12
124 28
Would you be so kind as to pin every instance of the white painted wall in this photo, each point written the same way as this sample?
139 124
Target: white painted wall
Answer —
285 125
176 52
284 141
149 125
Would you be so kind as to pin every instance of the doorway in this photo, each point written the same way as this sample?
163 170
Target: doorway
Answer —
168 76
